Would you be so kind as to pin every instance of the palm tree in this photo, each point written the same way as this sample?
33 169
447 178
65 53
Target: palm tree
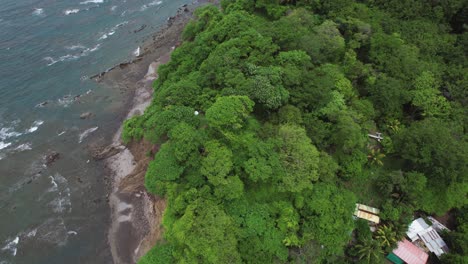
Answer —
394 125
370 250
376 157
387 236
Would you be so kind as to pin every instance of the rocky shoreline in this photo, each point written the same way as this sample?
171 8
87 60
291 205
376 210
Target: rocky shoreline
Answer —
135 214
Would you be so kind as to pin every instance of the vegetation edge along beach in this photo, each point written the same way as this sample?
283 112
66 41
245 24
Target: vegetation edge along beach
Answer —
274 122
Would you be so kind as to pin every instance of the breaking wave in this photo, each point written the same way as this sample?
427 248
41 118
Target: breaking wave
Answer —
112 30
38 12
12 245
71 11
69 57
146 6
86 133
92 2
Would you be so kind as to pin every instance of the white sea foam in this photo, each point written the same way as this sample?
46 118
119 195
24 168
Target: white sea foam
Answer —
54 184
12 246
146 6
65 101
35 126
4 145
75 47
86 133
61 204
61 133
71 232
53 231
71 11
92 2
38 12
23 147
137 52
32 233
8 132
112 30
113 8
69 57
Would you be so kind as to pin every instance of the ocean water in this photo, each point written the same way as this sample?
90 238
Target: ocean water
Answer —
48 48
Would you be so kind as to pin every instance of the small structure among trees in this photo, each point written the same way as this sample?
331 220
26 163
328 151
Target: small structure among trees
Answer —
420 231
377 136
368 213
408 253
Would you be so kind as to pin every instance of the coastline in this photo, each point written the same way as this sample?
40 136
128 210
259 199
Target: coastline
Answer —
135 214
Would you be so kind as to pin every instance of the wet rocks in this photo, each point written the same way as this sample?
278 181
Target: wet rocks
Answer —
86 115
51 157
140 28
108 151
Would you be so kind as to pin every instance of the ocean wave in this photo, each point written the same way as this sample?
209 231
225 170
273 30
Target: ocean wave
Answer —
86 133
12 245
137 52
75 47
113 8
92 2
62 202
4 144
54 187
35 126
71 11
65 101
38 12
112 30
32 233
53 231
8 132
70 57
146 6
23 147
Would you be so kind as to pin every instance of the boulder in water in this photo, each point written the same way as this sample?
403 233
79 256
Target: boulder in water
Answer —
86 115
51 158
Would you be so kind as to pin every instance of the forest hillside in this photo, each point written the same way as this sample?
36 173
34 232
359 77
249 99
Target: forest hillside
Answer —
263 117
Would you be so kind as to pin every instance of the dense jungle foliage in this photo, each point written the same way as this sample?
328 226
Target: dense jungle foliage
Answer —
263 115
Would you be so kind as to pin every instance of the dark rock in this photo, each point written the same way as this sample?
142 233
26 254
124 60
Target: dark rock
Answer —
140 28
86 115
108 151
51 158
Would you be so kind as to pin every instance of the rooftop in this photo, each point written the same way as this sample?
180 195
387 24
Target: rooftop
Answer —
433 241
368 213
416 226
410 253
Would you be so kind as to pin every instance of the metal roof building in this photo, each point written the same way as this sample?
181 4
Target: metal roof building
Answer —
433 241
416 226
419 229
410 253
